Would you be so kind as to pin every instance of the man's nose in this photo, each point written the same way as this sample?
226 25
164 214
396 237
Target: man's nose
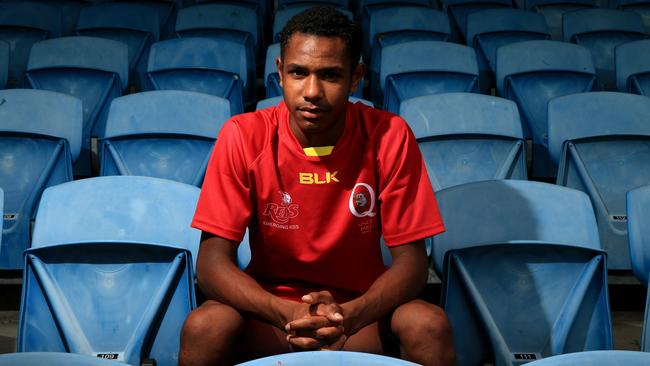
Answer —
313 88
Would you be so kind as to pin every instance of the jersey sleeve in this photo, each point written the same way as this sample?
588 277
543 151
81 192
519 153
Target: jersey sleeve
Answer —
408 207
224 207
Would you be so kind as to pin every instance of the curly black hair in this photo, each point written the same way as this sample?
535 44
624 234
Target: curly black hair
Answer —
324 21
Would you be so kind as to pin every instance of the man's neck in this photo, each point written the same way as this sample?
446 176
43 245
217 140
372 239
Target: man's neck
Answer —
326 138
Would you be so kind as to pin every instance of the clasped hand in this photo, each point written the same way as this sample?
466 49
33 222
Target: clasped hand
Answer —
317 324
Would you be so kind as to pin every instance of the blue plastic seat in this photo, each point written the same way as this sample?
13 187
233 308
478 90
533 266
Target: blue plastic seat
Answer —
641 7
124 22
4 64
282 16
398 24
596 358
165 134
601 142
523 273
40 136
212 66
342 4
238 23
335 358
110 270
94 70
467 137
53 359
430 68
164 11
600 31
632 67
487 30
638 215
459 10
534 72
21 25
273 101
552 10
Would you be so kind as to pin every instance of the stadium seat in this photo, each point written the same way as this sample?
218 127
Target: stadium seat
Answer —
487 30
110 273
318 358
40 136
467 137
523 273
211 66
53 359
641 7
596 358
459 10
430 68
638 216
94 70
398 24
165 134
633 68
600 31
124 22
272 79
601 142
238 23
283 15
4 64
552 10
269 102
21 25
534 72
164 11
342 4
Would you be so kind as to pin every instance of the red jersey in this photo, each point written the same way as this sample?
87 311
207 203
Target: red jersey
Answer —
315 221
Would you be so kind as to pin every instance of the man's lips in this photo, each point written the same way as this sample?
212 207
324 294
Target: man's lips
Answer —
309 112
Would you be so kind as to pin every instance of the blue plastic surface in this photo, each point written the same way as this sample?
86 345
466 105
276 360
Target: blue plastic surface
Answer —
467 137
166 134
211 66
164 11
343 4
283 15
534 72
53 359
453 70
513 245
553 10
124 22
4 64
23 23
638 214
597 358
40 134
632 67
458 11
601 30
334 358
273 101
398 24
601 142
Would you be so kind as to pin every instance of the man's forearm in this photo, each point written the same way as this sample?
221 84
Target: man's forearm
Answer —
402 282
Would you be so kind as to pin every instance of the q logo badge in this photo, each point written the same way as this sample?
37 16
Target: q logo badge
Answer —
362 200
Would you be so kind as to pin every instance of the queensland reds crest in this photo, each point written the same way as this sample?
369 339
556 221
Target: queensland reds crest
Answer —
283 212
362 200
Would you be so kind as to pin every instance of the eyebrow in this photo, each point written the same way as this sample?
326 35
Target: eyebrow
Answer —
324 69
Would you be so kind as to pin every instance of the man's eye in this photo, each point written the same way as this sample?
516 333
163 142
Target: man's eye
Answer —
331 75
299 73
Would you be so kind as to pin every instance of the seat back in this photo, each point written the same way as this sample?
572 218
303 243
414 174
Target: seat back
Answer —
601 30
23 23
343 4
124 22
596 358
601 142
94 70
4 64
553 10
53 359
40 136
398 24
459 10
454 69
467 137
165 134
534 72
531 246
632 70
328 358
211 66
638 214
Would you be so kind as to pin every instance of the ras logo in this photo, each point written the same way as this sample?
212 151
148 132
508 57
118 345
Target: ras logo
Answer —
283 212
362 200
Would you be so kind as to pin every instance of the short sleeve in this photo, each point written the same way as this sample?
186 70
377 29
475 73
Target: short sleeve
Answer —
224 207
408 207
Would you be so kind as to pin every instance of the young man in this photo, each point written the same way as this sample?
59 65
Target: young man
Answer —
317 180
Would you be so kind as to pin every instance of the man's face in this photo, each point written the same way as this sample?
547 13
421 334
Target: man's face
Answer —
316 77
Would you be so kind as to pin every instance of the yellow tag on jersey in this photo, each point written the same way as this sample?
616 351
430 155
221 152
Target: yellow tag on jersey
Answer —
318 150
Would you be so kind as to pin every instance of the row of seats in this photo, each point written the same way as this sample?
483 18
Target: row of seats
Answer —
533 246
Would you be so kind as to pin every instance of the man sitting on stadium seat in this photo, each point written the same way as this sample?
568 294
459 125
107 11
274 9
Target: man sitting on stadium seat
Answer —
317 180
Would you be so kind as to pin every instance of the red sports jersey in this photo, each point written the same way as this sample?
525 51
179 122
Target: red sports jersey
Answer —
315 221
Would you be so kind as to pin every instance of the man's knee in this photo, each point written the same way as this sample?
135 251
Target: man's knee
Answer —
212 320
419 320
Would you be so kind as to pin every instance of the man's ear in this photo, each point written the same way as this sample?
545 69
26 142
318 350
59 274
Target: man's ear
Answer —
278 65
357 76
